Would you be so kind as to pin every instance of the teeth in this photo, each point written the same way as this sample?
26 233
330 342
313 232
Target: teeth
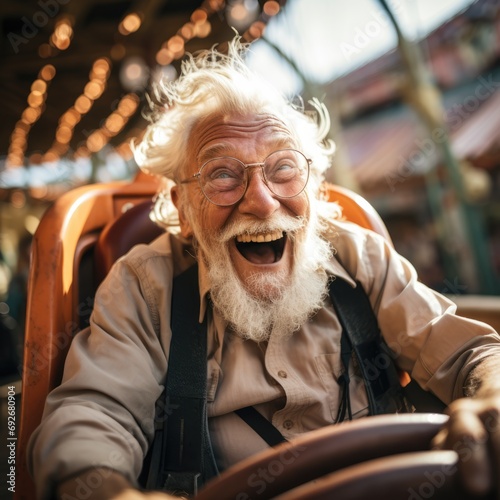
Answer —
259 238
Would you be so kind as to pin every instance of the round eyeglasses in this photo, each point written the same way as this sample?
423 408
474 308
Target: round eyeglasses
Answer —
224 180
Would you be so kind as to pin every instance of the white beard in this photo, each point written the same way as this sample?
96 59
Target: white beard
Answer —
268 303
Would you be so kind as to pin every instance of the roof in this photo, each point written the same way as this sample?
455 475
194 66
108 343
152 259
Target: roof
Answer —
392 145
480 133
380 149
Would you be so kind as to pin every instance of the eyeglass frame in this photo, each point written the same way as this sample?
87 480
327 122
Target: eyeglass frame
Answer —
246 166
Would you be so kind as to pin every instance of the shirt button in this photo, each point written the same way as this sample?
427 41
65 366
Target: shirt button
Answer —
282 374
287 424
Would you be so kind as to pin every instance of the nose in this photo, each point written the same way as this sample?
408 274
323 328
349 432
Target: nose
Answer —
258 200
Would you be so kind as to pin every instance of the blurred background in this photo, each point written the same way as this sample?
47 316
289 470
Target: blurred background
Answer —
413 88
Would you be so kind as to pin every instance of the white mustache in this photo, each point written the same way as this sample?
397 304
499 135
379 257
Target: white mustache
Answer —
278 222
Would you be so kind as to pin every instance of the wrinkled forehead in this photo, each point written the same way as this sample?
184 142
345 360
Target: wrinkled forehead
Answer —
220 134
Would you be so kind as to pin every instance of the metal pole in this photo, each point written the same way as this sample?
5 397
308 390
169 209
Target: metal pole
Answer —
425 99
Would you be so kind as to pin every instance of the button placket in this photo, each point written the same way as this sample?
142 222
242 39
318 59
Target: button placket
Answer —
276 365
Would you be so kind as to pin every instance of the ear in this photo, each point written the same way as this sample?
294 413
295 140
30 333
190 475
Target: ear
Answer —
186 229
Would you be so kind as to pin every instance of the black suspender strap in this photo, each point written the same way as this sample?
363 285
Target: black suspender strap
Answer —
361 336
344 379
261 425
183 459
359 325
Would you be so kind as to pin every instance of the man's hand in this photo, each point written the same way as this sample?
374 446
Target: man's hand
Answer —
113 486
473 430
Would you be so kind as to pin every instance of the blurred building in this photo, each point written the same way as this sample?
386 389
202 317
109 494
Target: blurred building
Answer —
77 74
396 159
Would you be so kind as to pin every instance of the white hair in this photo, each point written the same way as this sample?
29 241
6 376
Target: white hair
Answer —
212 82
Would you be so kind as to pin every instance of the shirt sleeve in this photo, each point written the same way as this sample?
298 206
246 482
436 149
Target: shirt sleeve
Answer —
102 414
427 339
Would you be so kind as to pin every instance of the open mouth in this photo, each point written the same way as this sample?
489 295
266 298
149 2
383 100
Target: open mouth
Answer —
264 248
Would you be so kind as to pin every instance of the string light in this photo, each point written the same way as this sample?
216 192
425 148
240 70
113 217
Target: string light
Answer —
98 75
130 24
271 8
117 52
113 124
241 13
198 25
30 115
257 28
62 35
134 74
47 73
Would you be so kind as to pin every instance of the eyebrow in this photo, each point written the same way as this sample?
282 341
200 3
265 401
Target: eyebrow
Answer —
213 151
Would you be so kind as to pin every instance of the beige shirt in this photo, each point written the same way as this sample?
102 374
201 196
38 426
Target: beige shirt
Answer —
102 414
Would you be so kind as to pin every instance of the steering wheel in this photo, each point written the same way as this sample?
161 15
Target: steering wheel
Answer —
379 457
406 476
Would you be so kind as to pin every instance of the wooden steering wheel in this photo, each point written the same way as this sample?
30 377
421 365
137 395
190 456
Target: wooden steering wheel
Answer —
380 457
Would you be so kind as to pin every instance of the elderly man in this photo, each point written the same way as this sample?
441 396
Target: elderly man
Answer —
247 166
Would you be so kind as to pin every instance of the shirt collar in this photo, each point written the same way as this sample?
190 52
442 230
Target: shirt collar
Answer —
335 268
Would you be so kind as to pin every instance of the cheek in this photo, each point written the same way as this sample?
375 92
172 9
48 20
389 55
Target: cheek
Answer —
298 206
211 218
196 209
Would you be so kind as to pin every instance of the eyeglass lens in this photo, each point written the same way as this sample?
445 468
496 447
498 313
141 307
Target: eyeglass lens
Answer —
224 180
